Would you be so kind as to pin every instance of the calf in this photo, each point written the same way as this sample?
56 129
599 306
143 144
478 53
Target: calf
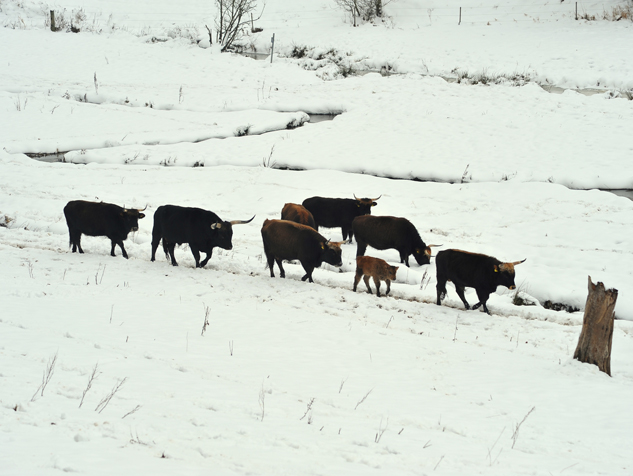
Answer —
367 266
464 269
287 240
100 219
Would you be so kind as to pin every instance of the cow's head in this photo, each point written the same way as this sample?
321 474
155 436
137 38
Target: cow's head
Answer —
505 274
423 255
131 216
364 205
224 232
331 252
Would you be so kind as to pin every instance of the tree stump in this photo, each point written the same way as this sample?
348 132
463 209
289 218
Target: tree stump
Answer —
594 344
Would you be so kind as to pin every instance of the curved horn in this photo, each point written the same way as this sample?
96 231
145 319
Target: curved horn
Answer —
517 262
241 222
142 209
372 199
433 246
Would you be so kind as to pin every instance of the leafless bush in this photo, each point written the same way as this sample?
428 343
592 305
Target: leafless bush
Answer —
233 19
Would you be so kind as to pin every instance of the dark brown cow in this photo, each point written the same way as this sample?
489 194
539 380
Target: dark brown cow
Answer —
298 214
338 212
100 219
376 268
287 240
465 269
383 233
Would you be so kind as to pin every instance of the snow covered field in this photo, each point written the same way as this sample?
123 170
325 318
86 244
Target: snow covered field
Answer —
297 378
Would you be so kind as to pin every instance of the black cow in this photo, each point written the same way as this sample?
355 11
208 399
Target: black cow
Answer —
287 240
298 214
385 233
100 219
338 212
201 229
464 269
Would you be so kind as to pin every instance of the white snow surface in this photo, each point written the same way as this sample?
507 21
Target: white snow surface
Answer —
289 377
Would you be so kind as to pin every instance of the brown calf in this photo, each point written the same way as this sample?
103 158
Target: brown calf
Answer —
376 268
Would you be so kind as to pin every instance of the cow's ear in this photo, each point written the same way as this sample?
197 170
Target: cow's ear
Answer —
496 269
141 215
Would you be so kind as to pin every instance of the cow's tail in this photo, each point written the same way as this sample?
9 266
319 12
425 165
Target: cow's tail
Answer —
165 249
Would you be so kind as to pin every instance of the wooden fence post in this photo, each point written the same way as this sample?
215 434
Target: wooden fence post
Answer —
460 16
53 21
594 343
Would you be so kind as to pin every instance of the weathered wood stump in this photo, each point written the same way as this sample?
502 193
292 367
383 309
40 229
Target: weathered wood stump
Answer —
594 344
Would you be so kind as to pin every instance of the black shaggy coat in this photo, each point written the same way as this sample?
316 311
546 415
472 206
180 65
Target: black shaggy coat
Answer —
202 229
100 219
464 269
338 212
385 232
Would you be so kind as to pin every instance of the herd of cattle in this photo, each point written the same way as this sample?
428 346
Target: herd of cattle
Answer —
296 237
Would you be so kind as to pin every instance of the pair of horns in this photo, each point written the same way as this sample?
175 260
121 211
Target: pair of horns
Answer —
372 199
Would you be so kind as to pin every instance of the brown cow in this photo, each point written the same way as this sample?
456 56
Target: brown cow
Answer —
377 269
298 214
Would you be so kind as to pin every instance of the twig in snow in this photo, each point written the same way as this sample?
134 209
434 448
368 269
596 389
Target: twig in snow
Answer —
134 410
490 461
438 463
381 430
342 383
105 400
363 399
307 409
206 319
515 434
46 376
91 379
262 401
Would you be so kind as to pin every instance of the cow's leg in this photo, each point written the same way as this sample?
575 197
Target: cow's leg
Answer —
308 274
282 271
120 243
388 281
460 293
483 298
377 281
171 251
155 243
347 234
196 254
270 259
359 275
206 260
366 279
123 252
360 248
75 240
404 258
441 290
